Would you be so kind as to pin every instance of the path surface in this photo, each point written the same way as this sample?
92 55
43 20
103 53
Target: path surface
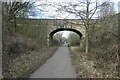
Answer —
0 49
58 66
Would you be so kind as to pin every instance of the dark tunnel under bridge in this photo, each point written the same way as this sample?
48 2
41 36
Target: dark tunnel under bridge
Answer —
62 29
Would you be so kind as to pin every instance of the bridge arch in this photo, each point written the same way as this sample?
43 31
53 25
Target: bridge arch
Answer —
63 29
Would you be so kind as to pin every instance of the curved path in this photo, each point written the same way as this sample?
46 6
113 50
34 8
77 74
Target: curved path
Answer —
58 66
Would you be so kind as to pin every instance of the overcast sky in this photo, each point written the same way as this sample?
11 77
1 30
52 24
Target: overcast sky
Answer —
50 12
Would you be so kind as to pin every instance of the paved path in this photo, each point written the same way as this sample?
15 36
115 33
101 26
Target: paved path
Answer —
58 66
0 49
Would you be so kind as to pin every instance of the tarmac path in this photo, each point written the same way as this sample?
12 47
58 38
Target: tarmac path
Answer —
58 66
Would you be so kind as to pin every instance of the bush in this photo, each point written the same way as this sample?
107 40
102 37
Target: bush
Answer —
13 50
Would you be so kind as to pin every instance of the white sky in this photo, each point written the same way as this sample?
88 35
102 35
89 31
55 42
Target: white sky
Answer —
64 33
51 13
51 10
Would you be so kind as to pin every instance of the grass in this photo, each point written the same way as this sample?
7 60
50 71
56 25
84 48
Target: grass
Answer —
25 50
23 66
87 66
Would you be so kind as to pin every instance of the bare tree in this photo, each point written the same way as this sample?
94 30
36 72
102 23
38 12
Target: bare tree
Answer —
85 11
119 7
107 9
73 39
13 9
58 37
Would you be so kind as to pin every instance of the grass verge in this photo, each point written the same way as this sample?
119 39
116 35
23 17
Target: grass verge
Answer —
24 65
86 68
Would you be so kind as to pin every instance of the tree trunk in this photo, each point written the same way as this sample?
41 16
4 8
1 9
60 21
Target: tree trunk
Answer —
87 27
87 42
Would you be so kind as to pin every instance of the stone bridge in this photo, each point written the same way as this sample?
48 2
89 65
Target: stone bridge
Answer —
71 25
56 25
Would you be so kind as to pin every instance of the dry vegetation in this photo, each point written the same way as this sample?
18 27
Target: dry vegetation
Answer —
24 47
92 68
103 58
25 64
21 55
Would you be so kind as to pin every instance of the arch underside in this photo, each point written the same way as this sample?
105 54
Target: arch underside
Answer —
64 29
